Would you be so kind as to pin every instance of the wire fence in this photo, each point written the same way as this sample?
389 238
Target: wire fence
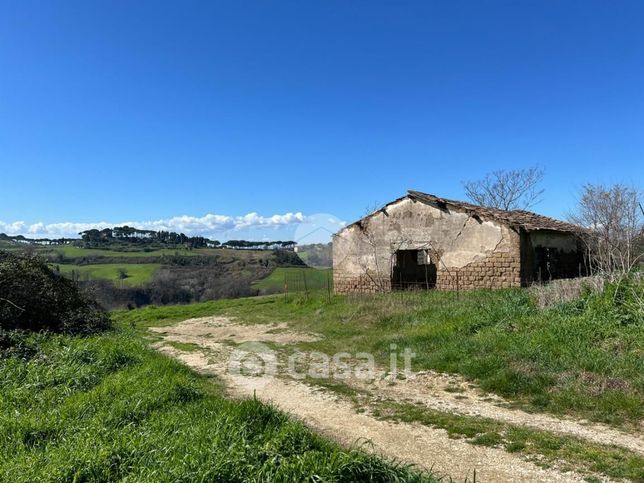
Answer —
307 282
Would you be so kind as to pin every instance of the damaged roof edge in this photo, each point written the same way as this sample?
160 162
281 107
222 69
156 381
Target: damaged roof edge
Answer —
527 220
373 213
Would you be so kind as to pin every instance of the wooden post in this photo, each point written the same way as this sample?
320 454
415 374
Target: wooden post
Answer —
285 285
426 278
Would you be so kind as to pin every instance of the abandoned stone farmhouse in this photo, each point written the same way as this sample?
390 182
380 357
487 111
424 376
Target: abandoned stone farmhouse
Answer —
423 241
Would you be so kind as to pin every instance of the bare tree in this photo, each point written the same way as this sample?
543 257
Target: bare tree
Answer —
517 189
613 224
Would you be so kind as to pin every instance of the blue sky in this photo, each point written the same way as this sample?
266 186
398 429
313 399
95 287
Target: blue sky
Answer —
146 111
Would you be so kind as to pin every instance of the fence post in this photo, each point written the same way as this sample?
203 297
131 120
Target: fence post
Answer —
306 289
285 286
426 279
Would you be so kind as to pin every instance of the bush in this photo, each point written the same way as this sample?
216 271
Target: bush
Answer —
558 292
33 297
622 300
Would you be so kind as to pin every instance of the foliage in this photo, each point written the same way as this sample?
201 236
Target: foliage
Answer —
261 245
621 301
131 235
105 408
33 297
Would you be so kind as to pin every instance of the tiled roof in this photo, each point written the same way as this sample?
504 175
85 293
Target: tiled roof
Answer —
516 218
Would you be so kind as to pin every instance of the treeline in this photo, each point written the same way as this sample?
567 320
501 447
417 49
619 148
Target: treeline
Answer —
23 240
135 236
126 236
131 235
259 245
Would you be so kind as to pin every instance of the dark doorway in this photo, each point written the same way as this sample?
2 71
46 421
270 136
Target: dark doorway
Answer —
413 269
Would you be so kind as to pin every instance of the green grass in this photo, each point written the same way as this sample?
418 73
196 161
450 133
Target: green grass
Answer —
153 316
79 252
583 359
70 251
184 346
106 408
295 279
137 273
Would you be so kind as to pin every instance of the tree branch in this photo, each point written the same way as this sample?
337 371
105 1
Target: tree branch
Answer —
11 303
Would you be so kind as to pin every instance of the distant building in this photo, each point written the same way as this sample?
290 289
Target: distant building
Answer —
423 241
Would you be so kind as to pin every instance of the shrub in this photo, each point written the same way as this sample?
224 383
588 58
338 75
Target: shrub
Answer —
622 300
561 291
33 297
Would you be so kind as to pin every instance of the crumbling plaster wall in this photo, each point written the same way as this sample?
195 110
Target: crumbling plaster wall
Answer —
560 241
459 244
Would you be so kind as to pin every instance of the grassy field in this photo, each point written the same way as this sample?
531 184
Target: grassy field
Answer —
106 408
70 251
582 358
78 252
137 273
295 279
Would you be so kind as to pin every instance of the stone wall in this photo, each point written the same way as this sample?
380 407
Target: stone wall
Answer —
499 270
343 283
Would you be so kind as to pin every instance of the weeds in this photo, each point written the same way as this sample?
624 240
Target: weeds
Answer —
106 408
582 357
552 449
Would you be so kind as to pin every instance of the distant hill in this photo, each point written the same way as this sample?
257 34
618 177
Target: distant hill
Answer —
145 275
316 255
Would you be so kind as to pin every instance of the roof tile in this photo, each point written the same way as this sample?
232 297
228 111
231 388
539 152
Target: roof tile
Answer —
517 218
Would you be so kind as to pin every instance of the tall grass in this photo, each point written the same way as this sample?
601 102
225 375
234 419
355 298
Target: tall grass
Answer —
582 358
106 408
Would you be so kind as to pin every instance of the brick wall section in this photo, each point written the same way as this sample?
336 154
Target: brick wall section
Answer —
499 270
347 283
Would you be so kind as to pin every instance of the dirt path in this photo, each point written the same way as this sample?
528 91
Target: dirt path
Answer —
452 394
337 418
422 446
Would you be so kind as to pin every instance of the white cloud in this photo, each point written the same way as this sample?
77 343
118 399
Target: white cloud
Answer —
207 225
